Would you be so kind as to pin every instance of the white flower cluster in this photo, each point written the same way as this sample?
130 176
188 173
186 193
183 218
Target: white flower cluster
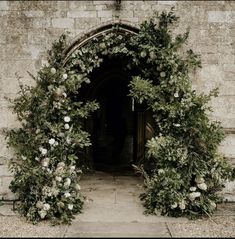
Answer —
43 150
201 183
53 142
181 205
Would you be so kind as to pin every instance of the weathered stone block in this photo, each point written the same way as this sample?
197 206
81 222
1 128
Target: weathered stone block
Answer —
105 14
221 16
4 5
62 23
41 22
86 23
80 13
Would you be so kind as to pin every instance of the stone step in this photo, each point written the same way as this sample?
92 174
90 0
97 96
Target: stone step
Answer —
117 229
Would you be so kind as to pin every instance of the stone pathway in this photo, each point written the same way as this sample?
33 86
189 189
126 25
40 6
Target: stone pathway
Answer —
113 209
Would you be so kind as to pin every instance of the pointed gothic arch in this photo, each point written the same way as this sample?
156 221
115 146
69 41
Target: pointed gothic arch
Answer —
105 28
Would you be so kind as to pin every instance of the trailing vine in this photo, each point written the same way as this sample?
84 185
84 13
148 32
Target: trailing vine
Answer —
183 170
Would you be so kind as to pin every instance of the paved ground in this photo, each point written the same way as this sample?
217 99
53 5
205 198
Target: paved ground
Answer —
113 209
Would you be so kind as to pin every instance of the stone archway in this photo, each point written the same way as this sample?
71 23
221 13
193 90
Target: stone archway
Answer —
118 140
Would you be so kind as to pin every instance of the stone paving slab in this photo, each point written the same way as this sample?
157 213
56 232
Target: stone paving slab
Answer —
95 229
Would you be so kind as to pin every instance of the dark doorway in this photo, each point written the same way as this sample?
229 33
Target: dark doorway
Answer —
118 128
113 123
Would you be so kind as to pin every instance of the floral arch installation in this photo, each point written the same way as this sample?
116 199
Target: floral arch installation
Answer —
183 170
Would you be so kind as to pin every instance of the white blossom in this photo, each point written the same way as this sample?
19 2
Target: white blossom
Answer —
163 74
37 131
39 205
42 213
65 76
64 94
87 81
51 141
24 158
45 162
174 205
70 206
161 171
46 206
43 151
202 186
67 194
194 195
177 125
56 143
192 189
66 126
182 205
58 179
176 95
53 70
67 182
37 158
72 168
143 54
67 119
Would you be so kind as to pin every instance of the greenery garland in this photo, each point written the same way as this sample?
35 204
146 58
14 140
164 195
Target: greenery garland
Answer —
183 170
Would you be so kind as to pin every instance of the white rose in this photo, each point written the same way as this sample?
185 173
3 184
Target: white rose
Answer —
70 206
176 95
174 205
45 162
163 74
67 182
194 195
43 151
72 168
192 189
65 76
56 143
161 171
39 205
67 119
87 81
66 126
58 179
46 207
42 213
64 94
53 70
51 141
202 186
24 158
37 158
67 194
182 205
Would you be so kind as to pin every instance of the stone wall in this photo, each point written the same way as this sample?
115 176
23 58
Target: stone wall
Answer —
28 28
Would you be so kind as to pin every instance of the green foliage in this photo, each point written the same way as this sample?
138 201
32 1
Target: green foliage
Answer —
48 164
183 170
